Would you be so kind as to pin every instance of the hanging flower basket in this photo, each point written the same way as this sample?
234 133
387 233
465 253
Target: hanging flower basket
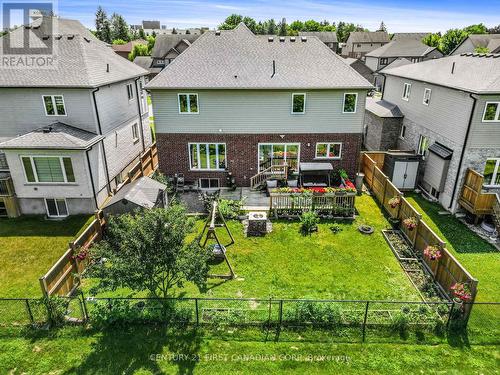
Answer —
395 201
81 254
432 252
461 292
410 223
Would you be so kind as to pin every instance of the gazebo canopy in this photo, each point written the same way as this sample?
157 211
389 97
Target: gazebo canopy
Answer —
316 168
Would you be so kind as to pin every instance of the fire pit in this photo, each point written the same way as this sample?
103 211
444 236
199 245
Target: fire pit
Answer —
257 224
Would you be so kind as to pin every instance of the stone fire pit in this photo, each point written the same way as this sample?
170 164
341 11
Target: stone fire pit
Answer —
257 224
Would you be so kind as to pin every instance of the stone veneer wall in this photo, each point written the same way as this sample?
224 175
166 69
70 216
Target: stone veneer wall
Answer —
242 152
381 133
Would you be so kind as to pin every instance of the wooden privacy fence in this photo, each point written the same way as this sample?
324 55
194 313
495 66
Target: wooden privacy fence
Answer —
447 270
145 166
472 198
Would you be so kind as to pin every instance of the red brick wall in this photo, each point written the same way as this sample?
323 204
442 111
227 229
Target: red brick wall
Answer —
242 152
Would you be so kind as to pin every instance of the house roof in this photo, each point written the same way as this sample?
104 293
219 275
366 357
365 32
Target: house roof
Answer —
405 36
494 45
383 108
368 37
165 42
128 47
402 48
238 59
442 151
482 40
143 61
55 136
394 64
79 59
324 36
142 192
151 24
472 72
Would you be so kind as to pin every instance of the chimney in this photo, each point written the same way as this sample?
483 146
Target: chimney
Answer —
274 68
453 68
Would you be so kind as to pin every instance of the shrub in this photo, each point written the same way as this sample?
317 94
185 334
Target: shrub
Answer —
315 313
400 323
309 221
57 307
230 209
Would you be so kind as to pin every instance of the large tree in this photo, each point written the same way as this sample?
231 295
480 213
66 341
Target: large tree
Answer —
231 22
119 27
102 26
451 39
432 40
149 251
344 29
476 29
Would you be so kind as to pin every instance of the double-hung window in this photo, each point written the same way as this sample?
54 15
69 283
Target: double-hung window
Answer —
188 103
130 91
350 103
406 91
331 150
135 133
491 112
492 172
207 156
427 97
298 103
54 105
56 207
48 169
384 61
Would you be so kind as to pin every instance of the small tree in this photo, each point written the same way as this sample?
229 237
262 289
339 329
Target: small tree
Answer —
451 39
138 50
149 251
432 40
480 49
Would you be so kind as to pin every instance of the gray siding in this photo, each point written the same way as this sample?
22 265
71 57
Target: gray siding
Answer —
484 134
23 110
465 47
372 62
253 111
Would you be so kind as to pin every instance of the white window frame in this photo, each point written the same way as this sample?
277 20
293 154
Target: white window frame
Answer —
495 172
355 103
35 174
305 99
384 61
188 103
427 90
57 208
419 150
277 144
407 96
130 91
56 113
497 113
402 133
135 133
208 156
328 150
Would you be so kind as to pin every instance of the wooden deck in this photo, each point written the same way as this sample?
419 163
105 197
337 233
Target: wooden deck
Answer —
472 198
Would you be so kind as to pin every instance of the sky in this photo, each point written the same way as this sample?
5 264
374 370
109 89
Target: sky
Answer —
398 15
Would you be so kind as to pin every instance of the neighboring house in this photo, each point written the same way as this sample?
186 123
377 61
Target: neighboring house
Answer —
327 37
473 41
69 132
360 43
234 103
406 36
407 48
451 109
155 27
147 62
361 68
124 49
383 122
168 46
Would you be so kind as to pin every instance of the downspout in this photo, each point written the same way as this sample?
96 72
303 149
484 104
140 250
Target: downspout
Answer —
463 149
91 178
140 114
108 185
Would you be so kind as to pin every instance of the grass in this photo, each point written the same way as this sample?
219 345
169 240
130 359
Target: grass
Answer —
479 257
29 245
157 350
286 264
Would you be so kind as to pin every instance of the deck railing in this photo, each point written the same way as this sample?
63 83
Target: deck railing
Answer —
6 187
274 171
472 198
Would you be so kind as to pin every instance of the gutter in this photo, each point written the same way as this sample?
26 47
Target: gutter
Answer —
140 114
91 178
474 102
108 185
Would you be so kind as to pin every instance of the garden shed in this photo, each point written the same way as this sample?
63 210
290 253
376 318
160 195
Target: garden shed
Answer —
141 193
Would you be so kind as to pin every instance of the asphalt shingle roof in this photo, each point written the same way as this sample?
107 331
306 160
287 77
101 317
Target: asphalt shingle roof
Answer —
165 42
238 59
398 62
54 136
476 73
324 36
80 60
402 48
128 47
382 108
405 36
368 37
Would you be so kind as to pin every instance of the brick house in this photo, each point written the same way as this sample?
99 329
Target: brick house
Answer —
238 102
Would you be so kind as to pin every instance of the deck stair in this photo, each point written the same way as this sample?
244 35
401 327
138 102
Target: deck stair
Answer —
279 172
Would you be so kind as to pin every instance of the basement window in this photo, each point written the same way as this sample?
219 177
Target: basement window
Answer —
209 183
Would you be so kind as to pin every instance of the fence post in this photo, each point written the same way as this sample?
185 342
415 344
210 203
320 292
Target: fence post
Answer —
364 321
281 313
197 314
28 308
269 314
450 315
84 304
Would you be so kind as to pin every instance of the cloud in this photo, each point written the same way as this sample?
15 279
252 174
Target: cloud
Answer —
229 7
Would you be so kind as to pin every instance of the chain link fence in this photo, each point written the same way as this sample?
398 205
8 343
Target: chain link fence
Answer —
318 320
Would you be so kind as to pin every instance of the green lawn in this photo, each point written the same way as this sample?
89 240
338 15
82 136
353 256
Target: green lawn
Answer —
479 257
28 247
286 264
156 350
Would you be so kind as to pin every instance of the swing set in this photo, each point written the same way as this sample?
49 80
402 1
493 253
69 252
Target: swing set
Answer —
216 220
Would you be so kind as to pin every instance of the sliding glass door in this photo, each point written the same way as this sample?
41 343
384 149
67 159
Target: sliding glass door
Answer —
278 154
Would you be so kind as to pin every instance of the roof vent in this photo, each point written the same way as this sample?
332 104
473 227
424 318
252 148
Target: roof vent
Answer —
282 38
274 68
27 26
270 39
292 39
47 129
57 37
71 37
45 37
86 39
303 38
453 68
107 68
217 32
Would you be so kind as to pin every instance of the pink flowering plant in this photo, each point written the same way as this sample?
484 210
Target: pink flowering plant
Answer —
81 254
410 223
432 252
461 291
395 201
